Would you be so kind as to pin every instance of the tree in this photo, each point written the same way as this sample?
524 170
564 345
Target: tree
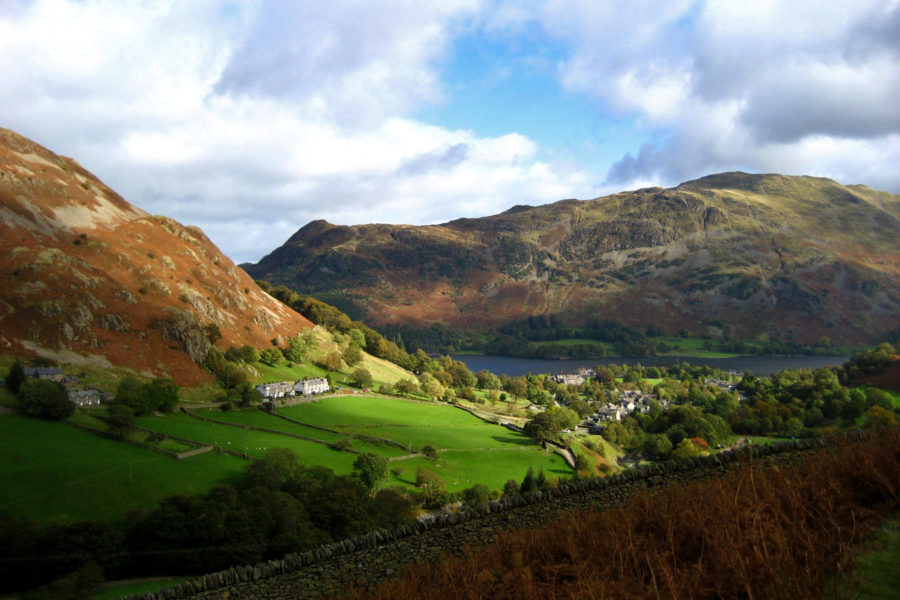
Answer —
430 452
878 415
130 393
487 380
685 448
433 389
657 446
279 467
542 427
371 469
161 394
405 387
529 484
432 486
357 338
16 376
352 356
581 407
332 361
46 399
361 378
299 346
270 356
120 420
476 495
518 386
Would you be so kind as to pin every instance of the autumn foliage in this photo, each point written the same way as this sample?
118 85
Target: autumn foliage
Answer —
760 532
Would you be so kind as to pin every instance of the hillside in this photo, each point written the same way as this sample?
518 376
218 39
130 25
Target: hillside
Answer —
735 255
89 277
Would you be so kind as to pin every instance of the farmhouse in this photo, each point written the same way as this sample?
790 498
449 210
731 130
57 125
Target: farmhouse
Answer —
51 373
278 389
86 397
308 387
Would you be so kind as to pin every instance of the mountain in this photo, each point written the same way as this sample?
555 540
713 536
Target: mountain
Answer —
734 254
89 277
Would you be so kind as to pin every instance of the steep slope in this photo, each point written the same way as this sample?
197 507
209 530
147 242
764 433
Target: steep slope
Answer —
87 276
734 254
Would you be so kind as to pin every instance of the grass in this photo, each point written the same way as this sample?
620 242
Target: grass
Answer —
471 450
253 443
895 397
257 418
75 474
120 590
281 372
875 575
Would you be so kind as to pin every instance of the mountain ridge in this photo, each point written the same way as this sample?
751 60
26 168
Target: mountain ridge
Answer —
90 277
732 254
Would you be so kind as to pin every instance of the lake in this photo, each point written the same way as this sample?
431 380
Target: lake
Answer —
758 365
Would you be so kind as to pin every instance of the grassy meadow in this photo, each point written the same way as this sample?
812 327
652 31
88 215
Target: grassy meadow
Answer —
80 475
76 474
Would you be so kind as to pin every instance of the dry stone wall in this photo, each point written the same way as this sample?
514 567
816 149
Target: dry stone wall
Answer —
379 555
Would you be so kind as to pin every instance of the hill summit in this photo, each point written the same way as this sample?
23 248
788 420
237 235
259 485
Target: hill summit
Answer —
739 255
89 277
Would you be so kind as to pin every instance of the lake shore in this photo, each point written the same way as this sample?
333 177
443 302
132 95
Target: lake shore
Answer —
758 365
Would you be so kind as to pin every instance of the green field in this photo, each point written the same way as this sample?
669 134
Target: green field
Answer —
76 474
50 470
470 450
248 441
264 420
120 590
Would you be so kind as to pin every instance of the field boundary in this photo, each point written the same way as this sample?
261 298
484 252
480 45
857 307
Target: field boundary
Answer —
357 436
330 568
264 430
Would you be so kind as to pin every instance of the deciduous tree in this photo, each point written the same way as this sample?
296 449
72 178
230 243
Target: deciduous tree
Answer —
371 469
46 399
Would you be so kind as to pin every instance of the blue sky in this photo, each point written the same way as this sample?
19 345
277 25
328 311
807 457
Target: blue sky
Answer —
252 118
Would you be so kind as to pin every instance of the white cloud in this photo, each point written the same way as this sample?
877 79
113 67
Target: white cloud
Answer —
251 119
728 85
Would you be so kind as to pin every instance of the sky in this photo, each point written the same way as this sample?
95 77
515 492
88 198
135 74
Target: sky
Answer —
252 118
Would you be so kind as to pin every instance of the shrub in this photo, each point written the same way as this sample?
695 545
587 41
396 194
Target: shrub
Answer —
46 399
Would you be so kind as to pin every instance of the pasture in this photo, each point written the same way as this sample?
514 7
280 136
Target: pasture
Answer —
470 450
76 474
50 470
248 441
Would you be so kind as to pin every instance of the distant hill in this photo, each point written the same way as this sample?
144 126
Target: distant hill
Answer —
735 255
88 276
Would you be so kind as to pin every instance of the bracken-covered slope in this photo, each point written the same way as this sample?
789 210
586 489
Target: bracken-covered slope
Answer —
732 254
88 276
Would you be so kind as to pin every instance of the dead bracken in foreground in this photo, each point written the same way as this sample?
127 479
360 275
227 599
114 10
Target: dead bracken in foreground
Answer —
762 532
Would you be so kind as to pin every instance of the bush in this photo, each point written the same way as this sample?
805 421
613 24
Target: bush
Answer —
46 399
16 377
361 378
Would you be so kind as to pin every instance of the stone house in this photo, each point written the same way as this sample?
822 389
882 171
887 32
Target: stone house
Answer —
278 389
308 387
